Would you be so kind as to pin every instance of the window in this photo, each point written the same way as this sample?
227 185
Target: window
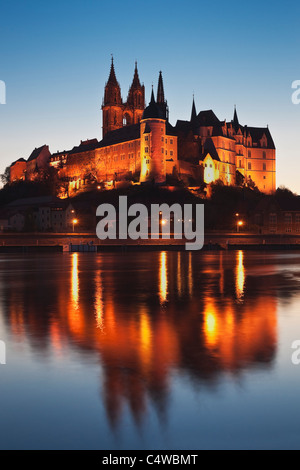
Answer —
171 141
273 219
146 138
240 163
288 219
264 167
249 153
146 149
249 166
166 141
297 218
265 177
162 151
264 155
162 139
171 153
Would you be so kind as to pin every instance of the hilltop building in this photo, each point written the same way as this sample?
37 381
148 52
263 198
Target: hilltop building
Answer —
140 145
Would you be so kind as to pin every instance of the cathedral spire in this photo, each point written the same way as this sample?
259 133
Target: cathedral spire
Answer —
112 76
160 90
112 107
235 121
194 113
162 103
152 100
136 80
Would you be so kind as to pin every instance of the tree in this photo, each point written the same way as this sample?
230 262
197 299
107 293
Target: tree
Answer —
5 177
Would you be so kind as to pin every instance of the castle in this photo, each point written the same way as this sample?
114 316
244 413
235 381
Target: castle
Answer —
140 145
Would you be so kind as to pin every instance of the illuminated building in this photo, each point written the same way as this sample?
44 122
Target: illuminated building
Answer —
140 145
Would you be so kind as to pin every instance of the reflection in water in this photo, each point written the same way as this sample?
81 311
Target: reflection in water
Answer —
163 277
98 299
179 277
113 308
74 280
210 323
190 275
240 275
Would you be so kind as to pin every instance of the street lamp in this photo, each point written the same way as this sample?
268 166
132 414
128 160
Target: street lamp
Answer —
74 221
239 224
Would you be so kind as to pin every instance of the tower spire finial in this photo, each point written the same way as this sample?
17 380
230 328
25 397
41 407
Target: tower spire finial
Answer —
194 113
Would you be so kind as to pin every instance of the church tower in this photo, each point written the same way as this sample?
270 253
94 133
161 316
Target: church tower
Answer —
162 103
134 108
112 108
153 136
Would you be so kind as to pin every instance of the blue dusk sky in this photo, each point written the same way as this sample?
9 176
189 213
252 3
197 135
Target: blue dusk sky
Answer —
55 60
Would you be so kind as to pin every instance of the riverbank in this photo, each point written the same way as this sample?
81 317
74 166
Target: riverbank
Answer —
58 242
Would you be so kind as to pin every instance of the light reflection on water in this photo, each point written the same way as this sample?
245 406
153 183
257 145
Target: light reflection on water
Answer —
132 344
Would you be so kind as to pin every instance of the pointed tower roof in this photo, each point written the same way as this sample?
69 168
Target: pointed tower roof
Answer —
112 93
112 75
136 80
235 121
160 90
194 113
152 100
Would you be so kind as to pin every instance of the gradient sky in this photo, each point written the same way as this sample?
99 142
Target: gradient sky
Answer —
55 60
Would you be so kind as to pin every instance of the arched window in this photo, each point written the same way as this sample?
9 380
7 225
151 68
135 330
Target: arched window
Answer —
126 119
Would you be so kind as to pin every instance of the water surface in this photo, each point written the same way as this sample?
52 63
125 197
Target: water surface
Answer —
150 351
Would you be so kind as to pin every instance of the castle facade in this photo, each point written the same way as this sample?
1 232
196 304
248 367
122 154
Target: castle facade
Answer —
140 145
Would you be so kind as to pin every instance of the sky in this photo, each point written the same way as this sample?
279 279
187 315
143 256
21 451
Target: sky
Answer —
55 60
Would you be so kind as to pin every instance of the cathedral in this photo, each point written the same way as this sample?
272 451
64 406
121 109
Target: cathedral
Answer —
139 145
